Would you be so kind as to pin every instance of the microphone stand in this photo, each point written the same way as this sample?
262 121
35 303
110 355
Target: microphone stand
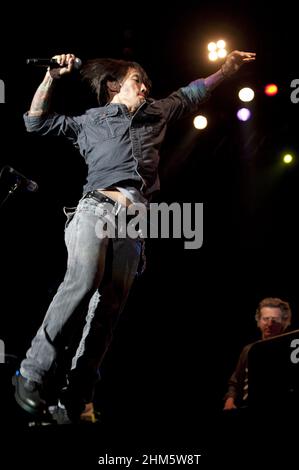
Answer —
8 360
10 192
13 188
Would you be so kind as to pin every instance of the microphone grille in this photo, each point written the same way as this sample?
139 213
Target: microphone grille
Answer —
77 63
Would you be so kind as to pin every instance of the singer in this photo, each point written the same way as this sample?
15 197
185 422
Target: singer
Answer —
120 141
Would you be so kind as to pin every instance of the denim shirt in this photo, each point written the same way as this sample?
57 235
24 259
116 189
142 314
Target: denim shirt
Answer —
119 146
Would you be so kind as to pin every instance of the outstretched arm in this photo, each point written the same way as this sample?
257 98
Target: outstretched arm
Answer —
40 102
232 64
188 99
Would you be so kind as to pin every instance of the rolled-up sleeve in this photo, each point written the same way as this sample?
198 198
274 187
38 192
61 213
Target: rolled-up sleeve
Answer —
54 124
185 101
196 92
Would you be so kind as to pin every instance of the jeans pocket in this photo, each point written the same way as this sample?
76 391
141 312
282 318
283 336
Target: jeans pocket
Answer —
69 212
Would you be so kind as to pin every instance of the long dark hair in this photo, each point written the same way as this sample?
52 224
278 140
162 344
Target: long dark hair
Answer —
98 71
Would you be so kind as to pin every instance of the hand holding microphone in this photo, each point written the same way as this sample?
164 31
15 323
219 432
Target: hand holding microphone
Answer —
58 65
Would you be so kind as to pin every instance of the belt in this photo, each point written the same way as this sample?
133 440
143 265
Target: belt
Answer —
99 197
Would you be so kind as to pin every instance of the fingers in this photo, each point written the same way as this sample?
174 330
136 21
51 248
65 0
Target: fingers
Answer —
66 63
243 56
248 56
235 60
65 60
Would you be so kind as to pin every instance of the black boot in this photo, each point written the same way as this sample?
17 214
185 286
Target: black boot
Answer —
27 395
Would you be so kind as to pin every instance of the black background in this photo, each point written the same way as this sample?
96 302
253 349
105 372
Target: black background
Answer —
193 310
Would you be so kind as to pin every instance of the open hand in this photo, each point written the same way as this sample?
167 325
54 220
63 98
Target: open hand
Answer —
235 60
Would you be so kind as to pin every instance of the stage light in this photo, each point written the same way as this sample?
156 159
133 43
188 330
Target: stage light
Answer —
243 114
221 44
217 50
246 94
271 89
288 158
213 56
200 122
222 53
212 46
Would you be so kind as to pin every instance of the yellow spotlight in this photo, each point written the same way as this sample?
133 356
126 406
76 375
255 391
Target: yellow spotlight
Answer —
288 158
246 94
221 44
213 56
212 46
217 50
200 122
222 53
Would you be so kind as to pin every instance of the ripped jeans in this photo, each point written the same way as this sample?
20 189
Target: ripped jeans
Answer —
99 275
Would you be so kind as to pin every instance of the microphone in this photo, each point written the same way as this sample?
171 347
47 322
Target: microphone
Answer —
52 63
30 185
